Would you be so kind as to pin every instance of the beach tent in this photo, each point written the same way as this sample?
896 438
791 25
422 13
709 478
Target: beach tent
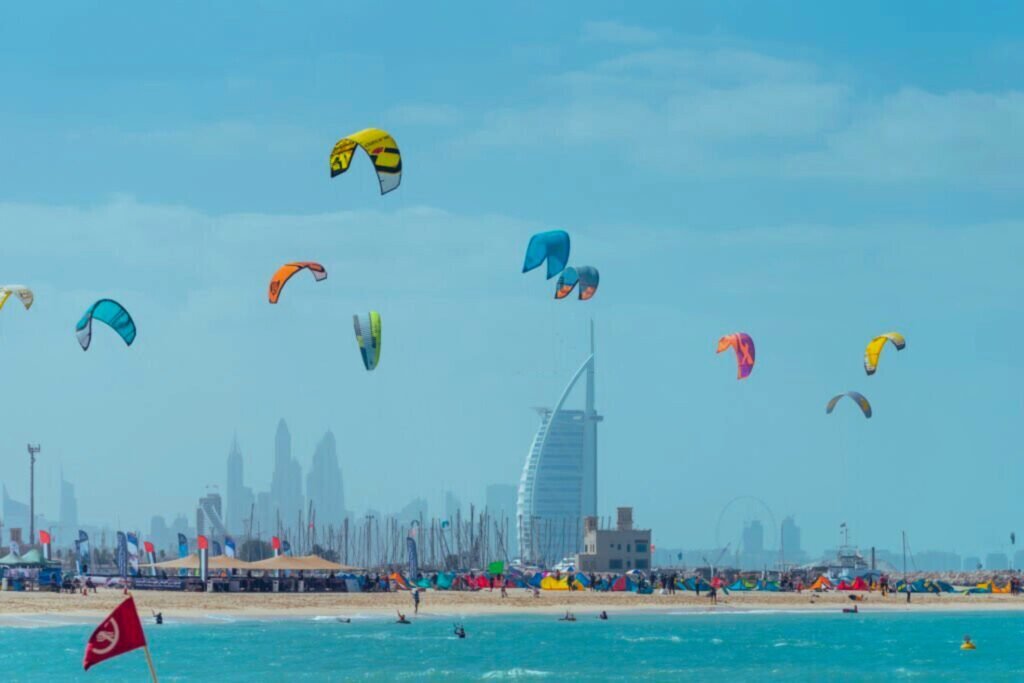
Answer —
740 585
550 583
844 586
10 559
33 557
622 584
308 563
859 584
187 562
692 584
423 583
770 586
821 584
444 580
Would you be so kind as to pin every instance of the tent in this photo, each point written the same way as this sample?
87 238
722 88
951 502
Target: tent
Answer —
859 584
622 584
740 585
309 563
444 580
33 557
692 584
821 584
844 585
10 559
770 586
550 583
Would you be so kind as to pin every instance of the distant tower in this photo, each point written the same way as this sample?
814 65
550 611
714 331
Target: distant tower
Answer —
558 486
324 483
286 484
239 503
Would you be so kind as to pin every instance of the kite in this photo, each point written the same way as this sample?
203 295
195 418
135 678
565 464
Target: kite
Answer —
553 247
859 398
874 349
586 276
285 272
23 292
744 347
368 334
110 312
382 150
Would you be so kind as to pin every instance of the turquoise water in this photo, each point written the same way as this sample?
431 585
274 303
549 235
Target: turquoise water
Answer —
696 646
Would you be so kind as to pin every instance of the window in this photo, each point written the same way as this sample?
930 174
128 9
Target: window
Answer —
611 546
620 546
627 548
614 564
641 546
641 564
628 563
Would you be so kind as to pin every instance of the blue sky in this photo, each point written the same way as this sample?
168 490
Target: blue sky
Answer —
812 176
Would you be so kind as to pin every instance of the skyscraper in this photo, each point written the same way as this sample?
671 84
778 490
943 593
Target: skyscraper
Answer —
792 551
16 516
286 484
558 486
240 498
324 484
68 526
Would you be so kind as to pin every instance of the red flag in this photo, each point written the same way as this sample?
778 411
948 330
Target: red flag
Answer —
148 546
275 543
203 543
119 633
44 537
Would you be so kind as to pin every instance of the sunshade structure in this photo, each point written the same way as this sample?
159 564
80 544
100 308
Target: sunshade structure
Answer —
33 558
308 563
10 560
192 562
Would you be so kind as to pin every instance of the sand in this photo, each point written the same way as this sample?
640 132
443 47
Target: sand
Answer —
27 609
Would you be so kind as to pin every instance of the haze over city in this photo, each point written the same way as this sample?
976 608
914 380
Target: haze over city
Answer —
798 193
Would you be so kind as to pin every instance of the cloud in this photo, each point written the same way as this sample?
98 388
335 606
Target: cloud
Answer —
615 32
725 112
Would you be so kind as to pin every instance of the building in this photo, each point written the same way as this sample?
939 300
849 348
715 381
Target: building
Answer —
240 497
210 518
997 561
15 518
323 484
416 510
614 550
792 551
972 563
558 486
67 528
501 506
286 484
452 507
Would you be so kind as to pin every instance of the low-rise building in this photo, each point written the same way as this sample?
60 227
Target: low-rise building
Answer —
614 550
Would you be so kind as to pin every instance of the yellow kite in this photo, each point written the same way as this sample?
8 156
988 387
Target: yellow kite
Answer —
874 349
382 150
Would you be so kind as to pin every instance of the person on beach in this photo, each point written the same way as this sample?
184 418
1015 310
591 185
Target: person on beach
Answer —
416 600
713 594
402 619
504 592
696 583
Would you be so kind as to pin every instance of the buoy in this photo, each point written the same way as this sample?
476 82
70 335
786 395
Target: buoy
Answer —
968 646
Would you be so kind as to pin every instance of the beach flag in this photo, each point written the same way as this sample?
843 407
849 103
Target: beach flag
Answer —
119 633
44 538
229 546
275 543
150 555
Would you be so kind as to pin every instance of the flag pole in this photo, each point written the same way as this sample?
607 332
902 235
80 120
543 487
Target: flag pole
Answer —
149 660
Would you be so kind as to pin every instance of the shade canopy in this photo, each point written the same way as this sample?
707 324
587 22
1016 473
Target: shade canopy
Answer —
192 562
309 563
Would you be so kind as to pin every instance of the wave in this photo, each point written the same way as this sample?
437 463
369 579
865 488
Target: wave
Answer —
514 673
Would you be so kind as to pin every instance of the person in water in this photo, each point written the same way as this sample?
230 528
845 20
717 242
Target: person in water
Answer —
460 631
158 617
603 616
402 619
569 616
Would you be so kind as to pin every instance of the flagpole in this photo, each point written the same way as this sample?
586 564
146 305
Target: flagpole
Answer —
149 660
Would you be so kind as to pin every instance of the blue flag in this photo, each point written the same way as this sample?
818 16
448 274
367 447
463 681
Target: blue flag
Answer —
122 554
410 546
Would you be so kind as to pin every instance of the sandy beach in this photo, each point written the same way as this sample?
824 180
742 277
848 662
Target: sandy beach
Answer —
37 608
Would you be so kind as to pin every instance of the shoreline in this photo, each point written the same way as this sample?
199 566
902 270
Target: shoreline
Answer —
35 610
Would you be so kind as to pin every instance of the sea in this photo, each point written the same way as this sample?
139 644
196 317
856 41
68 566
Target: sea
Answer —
680 646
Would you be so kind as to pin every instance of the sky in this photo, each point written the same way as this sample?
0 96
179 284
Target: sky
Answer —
810 175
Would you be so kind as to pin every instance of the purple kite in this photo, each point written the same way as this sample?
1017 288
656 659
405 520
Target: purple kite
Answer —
744 347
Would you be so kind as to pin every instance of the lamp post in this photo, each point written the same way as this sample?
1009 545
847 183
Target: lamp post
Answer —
32 451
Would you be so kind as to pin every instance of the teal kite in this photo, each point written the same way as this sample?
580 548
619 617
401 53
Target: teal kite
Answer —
110 312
